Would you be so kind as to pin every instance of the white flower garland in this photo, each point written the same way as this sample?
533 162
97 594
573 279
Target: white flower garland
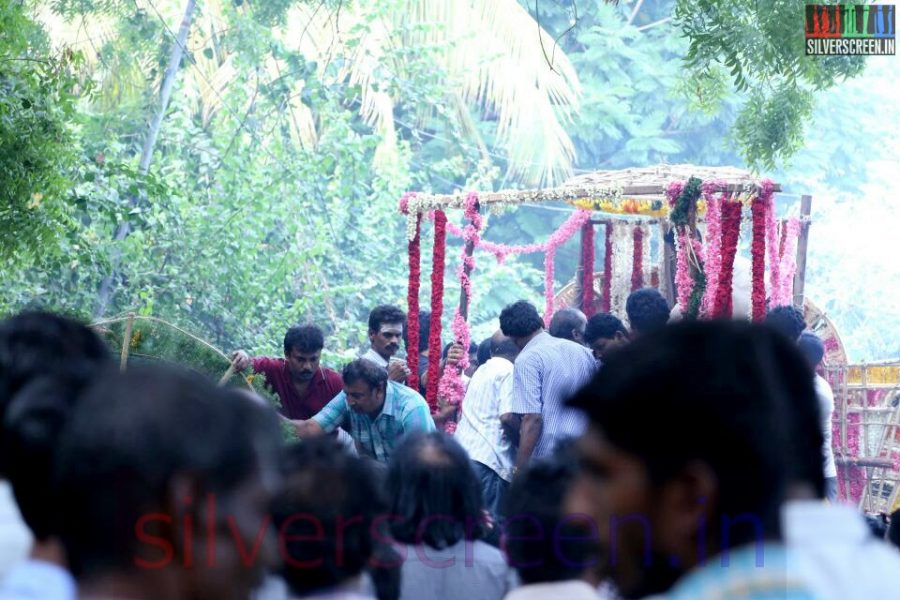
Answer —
623 254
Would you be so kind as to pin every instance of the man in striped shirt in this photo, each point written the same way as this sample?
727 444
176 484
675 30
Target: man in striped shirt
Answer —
547 372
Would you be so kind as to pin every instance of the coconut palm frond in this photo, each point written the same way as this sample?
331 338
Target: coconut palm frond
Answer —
508 65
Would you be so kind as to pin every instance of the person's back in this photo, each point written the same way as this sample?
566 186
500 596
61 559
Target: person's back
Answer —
437 515
556 368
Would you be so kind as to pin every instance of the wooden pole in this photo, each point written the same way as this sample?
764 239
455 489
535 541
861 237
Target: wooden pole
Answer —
126 342
579 272
667 277
802 244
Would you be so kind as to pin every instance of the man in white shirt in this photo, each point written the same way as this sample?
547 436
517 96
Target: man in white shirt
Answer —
385 336
480 431
813 349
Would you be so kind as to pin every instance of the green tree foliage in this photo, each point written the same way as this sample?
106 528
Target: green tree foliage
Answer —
272 195
36 103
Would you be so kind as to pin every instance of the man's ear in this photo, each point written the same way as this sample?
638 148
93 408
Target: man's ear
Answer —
686 505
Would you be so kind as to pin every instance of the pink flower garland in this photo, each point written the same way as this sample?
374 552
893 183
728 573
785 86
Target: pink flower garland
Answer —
684 283
788 265
557 239
673 191
713 264
772 241
451 387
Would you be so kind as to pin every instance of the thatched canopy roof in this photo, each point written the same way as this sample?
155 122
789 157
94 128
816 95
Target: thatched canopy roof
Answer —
638 182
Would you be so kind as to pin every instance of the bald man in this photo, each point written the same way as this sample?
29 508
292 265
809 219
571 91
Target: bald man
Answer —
568 324
481 430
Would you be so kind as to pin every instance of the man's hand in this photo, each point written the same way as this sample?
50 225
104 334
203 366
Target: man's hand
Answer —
455 354
398 371
240 360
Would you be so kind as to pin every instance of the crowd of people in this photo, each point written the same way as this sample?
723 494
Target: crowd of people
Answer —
612 457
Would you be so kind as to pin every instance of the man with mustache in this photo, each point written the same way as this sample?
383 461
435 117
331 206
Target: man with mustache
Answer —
303 386
386 329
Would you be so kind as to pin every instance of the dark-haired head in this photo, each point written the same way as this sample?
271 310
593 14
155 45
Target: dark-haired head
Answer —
434 492
303 346
387 330
424 330
728 418
520 321
647 310
484 351
568 324
786 320
41 344
542 543
365 385
304 338
151 450
503 346
604 333
812 348
325 514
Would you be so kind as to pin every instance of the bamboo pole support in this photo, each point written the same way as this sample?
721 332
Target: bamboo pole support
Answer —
126 342
802 245
228 374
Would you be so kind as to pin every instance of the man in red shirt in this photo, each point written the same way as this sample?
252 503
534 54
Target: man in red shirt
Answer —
303 386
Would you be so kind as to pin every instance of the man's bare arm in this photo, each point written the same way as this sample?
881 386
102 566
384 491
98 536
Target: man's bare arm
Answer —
529 434
511 422
307 429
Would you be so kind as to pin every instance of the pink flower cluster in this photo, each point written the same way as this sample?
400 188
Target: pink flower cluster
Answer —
673 191
684 283
713 264
783 288
451 387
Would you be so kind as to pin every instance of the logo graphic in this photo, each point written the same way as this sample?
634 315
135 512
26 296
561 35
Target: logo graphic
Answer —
848 29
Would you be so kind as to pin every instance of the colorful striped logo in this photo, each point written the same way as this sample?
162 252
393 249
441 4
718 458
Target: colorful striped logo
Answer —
849 29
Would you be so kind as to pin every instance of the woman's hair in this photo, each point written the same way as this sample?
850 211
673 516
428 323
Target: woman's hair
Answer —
434 492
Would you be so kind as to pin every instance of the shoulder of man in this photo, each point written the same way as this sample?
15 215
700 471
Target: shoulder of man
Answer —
262 364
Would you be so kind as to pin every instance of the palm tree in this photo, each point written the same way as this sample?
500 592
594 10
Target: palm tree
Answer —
494 60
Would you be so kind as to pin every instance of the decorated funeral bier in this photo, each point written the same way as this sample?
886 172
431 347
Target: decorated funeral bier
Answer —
678 228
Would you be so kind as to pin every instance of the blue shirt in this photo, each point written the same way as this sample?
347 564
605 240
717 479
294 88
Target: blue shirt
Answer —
404 410
747 573
546 373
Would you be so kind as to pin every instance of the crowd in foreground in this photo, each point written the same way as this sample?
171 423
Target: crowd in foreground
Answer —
590 460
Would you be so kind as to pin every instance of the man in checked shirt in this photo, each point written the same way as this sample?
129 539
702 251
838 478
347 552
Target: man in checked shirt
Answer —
374 410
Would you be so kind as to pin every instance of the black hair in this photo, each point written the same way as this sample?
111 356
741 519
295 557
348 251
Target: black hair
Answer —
564 321
473 348
603 325
130 437
305 338
365 370
506 348
484 351
434 492
733 395
385 313
786 320
520 319
812 348
325 514
541 542
41 344
647 310
893 532
424 329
